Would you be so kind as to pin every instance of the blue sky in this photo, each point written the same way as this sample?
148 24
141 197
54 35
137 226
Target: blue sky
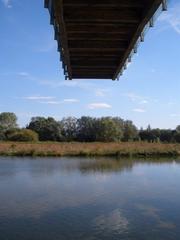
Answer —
32 81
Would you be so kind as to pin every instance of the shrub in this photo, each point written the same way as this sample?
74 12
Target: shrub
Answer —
23 135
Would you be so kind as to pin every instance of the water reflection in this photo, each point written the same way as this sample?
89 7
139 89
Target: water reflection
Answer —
89 198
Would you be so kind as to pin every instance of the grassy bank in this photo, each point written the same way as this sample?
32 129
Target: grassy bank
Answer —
139 149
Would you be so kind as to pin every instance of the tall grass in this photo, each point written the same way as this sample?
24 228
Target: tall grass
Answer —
89 149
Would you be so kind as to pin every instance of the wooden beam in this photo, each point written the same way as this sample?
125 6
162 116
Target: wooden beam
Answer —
58 11
104 3
97 44
147 15
95 63
98 36
46 3
95 49
92 76
87 15
93 28
95 55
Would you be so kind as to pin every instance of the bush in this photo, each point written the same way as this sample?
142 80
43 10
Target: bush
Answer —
23 135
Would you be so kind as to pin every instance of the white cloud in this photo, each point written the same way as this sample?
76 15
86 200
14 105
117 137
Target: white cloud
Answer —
7 3
23 74
136 98
99 105
71 100
55 84
37 98
101 92
139 110
172 17
132 96
143 102
51 102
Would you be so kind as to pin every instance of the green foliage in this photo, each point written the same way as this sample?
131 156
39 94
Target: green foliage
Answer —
69 128
150 135
23 135
86 129
7 121
48 129
130 131
107 130
166 135
2 134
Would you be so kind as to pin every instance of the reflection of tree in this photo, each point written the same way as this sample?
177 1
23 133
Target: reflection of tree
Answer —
118 165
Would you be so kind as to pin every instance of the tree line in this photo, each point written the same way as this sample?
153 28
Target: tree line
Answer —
84 129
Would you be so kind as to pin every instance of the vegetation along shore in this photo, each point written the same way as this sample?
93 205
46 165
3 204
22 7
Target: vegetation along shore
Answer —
85 136
123 149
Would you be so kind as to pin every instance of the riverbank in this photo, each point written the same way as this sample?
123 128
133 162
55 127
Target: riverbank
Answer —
53 149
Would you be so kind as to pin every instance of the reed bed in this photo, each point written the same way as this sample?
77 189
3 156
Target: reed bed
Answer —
54 149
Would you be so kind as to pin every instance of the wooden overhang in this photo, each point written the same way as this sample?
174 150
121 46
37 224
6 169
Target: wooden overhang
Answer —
96 38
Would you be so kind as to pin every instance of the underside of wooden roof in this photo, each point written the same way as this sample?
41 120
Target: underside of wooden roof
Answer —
96 38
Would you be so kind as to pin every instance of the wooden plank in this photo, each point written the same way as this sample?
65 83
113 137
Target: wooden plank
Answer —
58 10
101 28
148 13
97 44
88 68
92 76
96 55
96 63
98 36
96 49
99 15
105 3
46 3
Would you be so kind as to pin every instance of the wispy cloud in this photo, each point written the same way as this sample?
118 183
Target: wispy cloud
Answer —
172 17
84 85
7 3
136 98
143 102
99 105
101 92
51 102
139 110
56 84
37 98
23 74
70 100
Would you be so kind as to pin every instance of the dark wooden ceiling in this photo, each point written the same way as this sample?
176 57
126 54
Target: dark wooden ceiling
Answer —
96 37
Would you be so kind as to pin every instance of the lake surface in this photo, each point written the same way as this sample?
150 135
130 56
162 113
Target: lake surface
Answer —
89 199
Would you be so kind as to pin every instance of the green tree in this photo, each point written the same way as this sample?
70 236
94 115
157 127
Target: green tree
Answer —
178 128
23 135
86 129
166 135
48 129
130 131
107 130
8 121
69 128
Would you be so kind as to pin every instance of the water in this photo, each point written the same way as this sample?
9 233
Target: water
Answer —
89 199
